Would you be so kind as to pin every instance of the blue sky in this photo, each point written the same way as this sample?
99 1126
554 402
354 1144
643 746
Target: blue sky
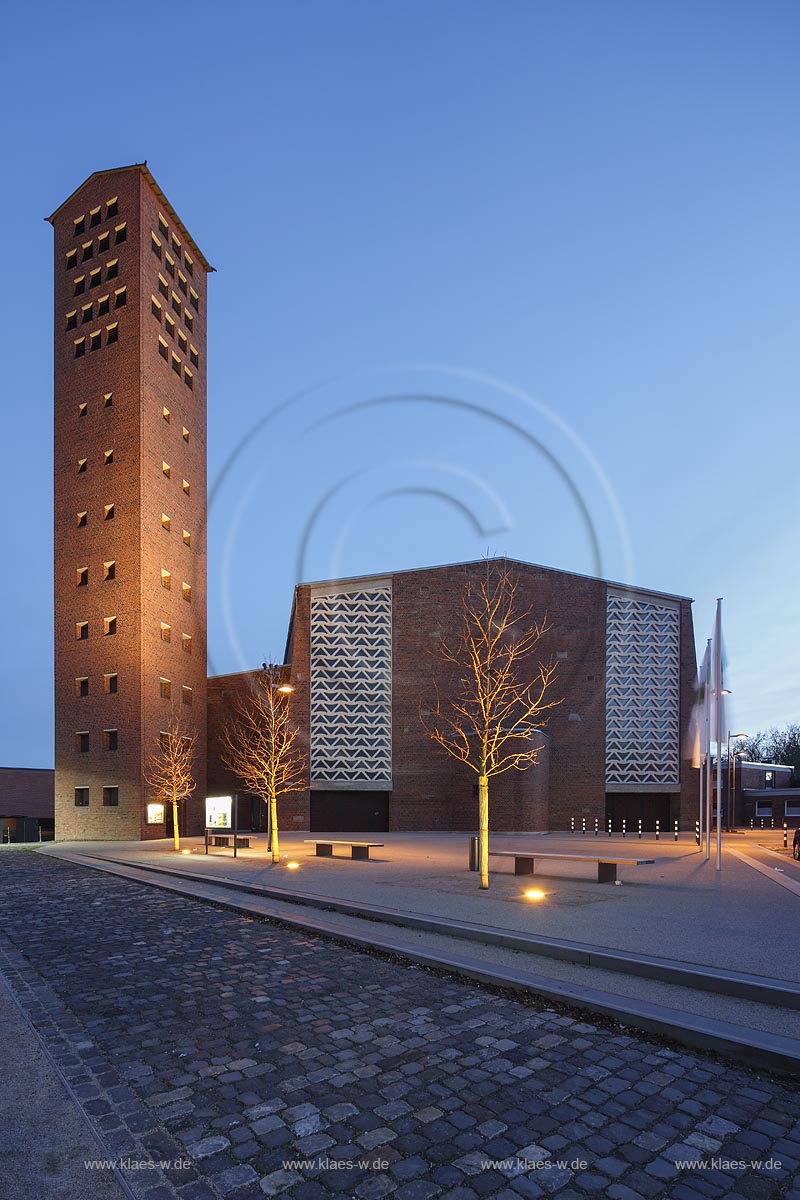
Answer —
514 276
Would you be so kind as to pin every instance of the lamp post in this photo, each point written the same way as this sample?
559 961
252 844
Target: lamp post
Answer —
731 776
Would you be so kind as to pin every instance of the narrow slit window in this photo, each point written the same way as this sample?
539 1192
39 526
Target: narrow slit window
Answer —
80 347
72 319
187 592
86 313
108 400
166 632
108 512
169 263
120 297
111 797
189 319
165 522
164 688
162 224
83 408
188 379
72 259
103 306
94 216
163 287
82 576
182 341
112 269
103 243
82 742
182 284
112 333
166 579
82 686
176 364
166 469
79 224
155 245
165 414
186 643
185 434
82 630
87 251
82 518
176 303
189 264
169 325
194 299
186 487
110 739
176 245
94 340
163 348
109 626
79 286
110 569
120 233
111 683
186 694
112 207
155 308
187 538
82 466
194 356
95 277
108 457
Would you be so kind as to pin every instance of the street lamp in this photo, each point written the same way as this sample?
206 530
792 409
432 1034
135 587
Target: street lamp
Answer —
731 776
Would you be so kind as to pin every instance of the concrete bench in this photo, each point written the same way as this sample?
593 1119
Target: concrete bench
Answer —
606 866
325 846
224 839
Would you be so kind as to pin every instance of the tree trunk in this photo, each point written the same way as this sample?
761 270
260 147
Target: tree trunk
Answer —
273 821
175 831
483 829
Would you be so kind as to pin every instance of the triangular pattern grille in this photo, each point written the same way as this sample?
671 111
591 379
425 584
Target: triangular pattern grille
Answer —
642 691
351 686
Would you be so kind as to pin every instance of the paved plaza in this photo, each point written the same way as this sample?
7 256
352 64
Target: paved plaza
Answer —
257 1060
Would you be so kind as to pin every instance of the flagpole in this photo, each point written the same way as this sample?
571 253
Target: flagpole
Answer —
708 752
718 715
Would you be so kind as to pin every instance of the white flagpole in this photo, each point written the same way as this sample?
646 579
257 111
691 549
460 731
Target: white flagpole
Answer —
718 714
708 753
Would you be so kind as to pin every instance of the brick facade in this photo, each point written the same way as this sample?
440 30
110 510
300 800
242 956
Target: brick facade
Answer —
112 385
432 792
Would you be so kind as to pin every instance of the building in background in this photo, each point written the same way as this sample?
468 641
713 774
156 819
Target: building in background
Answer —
362 655
26 804
130 498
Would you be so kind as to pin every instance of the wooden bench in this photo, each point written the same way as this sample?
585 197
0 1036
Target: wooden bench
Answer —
606 866
358 850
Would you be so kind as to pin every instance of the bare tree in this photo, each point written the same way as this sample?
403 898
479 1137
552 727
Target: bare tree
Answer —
262 747
498 694
169 770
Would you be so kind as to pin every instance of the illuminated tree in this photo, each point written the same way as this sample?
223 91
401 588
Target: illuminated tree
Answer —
495 694
168 771
262 747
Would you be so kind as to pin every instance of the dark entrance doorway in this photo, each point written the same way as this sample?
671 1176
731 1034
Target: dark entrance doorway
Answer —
349 812
633 806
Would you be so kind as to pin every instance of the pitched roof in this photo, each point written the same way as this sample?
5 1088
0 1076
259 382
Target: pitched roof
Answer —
144 170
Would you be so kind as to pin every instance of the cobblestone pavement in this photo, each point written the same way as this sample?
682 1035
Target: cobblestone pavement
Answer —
261 1061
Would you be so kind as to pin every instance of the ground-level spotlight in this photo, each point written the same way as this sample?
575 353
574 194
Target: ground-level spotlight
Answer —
186 852
292 866
534 894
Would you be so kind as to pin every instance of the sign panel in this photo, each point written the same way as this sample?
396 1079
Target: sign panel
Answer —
155 814
218 812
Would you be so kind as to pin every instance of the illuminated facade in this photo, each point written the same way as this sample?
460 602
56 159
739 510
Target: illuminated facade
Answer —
130 498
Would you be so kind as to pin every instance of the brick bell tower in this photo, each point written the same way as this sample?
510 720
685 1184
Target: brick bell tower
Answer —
130 501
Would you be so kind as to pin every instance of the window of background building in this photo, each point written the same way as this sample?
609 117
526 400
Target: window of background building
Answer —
110 739
111 682
82 742
81 797
110 797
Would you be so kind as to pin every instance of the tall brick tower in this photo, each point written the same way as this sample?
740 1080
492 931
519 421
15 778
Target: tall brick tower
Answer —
130 501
